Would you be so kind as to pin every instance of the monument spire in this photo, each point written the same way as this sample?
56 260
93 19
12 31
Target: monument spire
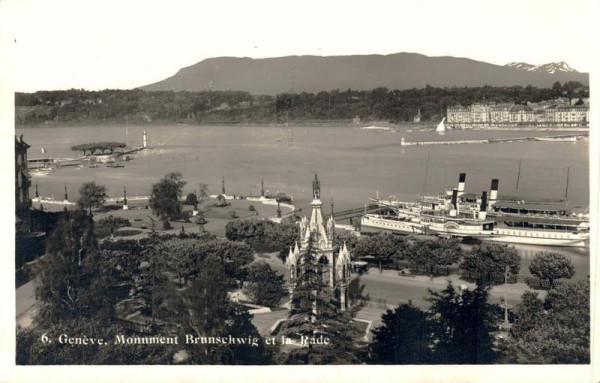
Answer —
318 234
316 188
331 207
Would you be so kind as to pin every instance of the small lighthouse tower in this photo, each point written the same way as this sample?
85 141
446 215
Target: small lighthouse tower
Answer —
125 205
145 141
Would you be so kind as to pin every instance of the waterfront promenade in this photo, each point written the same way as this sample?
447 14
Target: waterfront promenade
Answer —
387 289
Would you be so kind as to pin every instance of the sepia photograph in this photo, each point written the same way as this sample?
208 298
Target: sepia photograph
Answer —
246 190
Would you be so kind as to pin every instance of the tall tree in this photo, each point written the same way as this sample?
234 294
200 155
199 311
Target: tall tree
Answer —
70 284
73 294
430 253
462 326
266 287
184 256
232 256
155 287
385 248
211 313
402 338
551 266
553 331
489 258
165 199
92 195
315 314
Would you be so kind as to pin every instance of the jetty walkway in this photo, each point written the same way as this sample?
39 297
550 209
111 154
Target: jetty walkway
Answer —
557 138
355 213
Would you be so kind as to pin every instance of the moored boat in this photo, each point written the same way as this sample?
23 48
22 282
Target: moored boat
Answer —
441 127
546 223
545 231
445 222
42 171
376 223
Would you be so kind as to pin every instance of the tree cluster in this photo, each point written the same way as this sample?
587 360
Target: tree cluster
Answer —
389 250
132 106
555 330
385 248
489 261
457 329
264 235
140 106
78 292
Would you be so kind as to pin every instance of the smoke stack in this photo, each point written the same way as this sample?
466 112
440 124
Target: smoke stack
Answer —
454 203
461 183
483 206
494 192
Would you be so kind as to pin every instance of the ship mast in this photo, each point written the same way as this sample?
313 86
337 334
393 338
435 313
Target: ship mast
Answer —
567 187
426 173
519 174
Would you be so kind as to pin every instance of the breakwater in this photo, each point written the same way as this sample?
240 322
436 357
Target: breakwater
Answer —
560 138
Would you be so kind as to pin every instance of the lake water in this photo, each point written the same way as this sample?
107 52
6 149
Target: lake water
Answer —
353 164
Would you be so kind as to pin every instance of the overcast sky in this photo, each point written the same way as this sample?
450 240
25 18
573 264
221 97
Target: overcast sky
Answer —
59 44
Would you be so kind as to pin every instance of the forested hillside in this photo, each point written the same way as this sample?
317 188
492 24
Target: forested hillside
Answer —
381 104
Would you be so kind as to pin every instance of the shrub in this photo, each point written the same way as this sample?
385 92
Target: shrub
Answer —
200 220
221 201
191 199
107 225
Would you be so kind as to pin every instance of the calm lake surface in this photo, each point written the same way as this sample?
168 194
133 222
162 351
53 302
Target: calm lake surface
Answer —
353 164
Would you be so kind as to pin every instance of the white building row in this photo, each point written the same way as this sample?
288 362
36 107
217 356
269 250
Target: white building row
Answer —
514 115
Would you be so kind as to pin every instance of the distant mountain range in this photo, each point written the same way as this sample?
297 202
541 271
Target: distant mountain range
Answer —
360 72
546 68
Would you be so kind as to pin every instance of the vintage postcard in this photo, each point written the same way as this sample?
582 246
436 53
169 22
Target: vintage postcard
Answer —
246 191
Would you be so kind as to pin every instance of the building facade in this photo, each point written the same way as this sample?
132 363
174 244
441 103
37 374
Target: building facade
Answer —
545 113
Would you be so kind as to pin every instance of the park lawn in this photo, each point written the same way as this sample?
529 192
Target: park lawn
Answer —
216 217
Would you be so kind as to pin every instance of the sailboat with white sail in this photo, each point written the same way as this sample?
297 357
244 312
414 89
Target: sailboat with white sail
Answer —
441 127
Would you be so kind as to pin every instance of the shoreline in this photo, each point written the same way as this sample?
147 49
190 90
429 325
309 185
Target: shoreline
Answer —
327 123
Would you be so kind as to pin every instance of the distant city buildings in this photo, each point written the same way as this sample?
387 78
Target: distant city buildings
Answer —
546 113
